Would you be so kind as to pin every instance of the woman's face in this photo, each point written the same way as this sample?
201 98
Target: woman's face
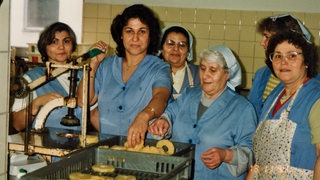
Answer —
135 37
266 35
289 70
213 78
175 49
61 48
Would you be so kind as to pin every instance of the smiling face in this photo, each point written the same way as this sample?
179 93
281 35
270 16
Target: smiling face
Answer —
213 78
60 48
175 50
135 37
289 72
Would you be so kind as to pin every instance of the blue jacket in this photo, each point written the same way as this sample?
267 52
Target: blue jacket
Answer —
259 84
118 102
229 121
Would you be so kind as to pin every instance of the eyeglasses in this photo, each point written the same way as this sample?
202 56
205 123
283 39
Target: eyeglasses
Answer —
291 56
182 45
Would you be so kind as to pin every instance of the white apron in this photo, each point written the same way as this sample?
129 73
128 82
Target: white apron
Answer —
272 147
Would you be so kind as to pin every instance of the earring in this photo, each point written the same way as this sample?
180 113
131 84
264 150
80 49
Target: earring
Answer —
306 67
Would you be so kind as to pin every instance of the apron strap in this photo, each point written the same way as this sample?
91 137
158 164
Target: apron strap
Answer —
190 78
288 109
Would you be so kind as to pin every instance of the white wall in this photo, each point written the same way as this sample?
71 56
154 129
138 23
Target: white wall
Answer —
263 5
4 90
70 12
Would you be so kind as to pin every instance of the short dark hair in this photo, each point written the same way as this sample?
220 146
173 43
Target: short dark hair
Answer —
147 17
48 34
278 25
309 50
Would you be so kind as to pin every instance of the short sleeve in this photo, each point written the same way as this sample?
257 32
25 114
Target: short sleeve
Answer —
314 121
21 103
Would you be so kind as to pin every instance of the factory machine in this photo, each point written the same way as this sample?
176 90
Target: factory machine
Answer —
43 142
71 146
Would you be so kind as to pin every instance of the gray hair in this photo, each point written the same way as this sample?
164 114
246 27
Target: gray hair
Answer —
212 56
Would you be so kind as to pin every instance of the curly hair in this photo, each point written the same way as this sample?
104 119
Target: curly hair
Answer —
309 50
48 35
146 16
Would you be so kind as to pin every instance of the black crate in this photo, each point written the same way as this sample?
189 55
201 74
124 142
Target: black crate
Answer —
143 166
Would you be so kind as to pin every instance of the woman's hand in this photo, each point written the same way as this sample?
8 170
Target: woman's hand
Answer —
94 64
95 61
159 127
213 157
42 100
137 130
253 169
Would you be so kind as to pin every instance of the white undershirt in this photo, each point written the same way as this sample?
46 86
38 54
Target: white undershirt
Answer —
21 103
178 79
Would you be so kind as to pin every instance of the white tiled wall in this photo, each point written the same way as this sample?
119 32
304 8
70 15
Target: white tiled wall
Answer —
4 90
234 28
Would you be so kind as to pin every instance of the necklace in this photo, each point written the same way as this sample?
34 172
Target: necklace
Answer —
128 67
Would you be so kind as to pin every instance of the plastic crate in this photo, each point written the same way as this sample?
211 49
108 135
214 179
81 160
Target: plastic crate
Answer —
143 166
181 149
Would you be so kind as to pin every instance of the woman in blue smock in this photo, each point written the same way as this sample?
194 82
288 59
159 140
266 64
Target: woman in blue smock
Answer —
56 44
133 86
215 118
287 140
264 81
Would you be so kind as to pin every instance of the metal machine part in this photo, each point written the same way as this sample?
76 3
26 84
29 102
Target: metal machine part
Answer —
39 132
46 109
53 71
70 102
53 142
70 119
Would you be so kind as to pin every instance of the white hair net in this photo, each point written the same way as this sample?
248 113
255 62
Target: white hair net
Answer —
235 76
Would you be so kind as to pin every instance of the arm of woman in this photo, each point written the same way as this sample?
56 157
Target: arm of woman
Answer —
19 117
160 128
236 158
242 155
155 108
315 135
213 157
94 64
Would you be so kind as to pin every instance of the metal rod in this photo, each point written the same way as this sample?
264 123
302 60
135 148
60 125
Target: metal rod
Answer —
70 119
85 97
27 120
